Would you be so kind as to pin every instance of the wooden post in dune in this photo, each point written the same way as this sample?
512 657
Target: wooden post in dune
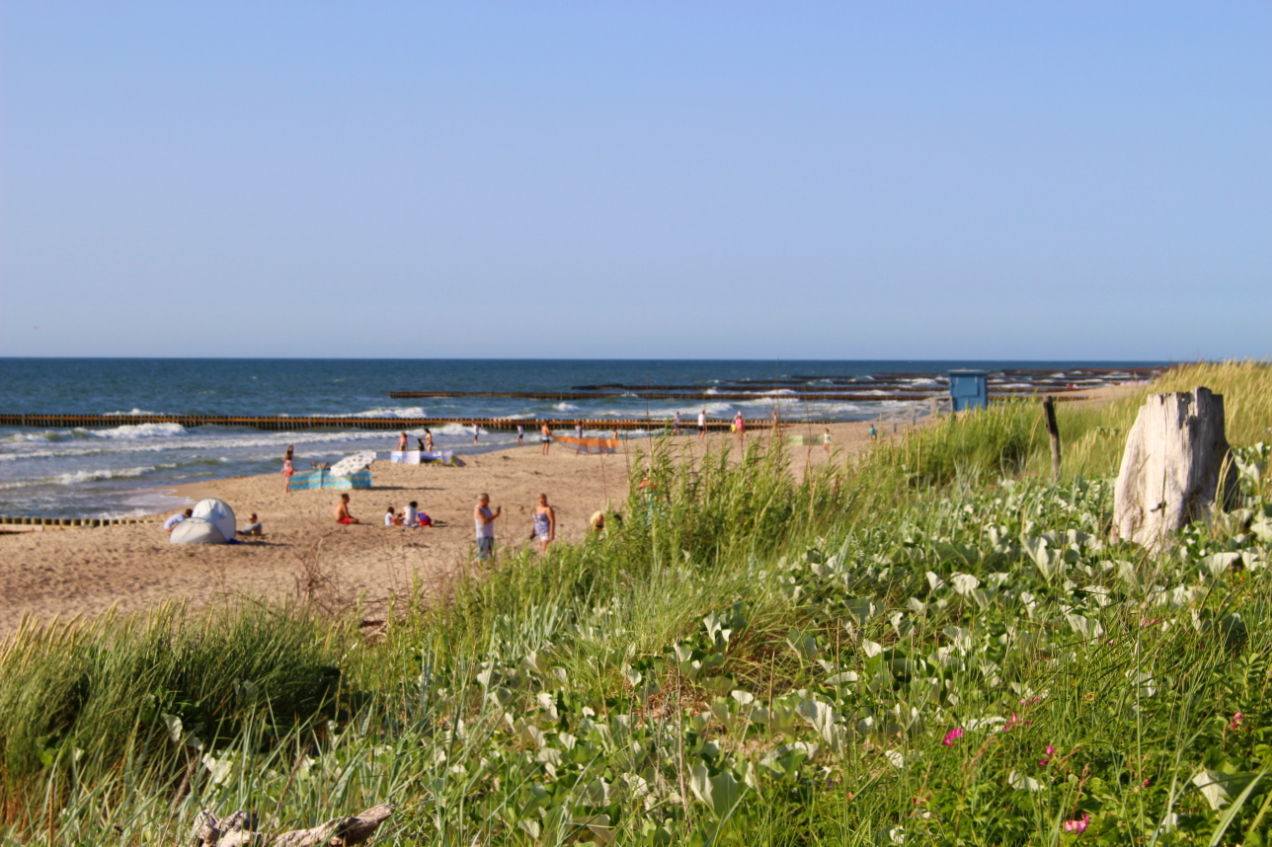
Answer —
1175 466
1049 409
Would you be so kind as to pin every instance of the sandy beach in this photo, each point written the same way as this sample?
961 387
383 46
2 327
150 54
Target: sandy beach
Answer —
85 571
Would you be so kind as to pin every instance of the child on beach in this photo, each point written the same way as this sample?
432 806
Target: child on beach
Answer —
412 516
342 511
390 519
826 439
288 469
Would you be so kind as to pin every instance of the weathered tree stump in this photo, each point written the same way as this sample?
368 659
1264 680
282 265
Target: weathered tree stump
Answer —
237 831
1175 463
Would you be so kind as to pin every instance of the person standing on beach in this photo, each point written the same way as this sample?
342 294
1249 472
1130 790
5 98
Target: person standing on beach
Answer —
545 436
578 430
289 468
342 511
874 433
402 442
521 435
544 523
739 426
476 433
675 423
826 440
702 424
428 440
484 519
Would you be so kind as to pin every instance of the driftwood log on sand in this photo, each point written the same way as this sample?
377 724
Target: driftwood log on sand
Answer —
238 830
1175 463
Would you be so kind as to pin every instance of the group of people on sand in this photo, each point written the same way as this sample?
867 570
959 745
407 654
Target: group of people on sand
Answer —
424 443
411 515
543 529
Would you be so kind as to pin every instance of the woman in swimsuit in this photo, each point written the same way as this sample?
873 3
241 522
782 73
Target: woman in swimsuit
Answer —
544 523
428 440
402 442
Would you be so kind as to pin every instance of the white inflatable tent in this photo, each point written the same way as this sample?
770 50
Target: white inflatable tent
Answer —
212 523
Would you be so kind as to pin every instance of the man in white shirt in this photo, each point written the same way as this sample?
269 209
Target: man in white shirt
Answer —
173 520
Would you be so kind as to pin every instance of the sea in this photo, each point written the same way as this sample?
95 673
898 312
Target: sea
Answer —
127 469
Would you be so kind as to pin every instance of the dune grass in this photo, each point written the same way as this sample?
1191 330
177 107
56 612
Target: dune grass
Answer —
932 644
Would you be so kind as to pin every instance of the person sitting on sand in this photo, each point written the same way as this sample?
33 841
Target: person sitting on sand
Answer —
412 516
390 519
342 511
597 522
253 526
544 523
171 523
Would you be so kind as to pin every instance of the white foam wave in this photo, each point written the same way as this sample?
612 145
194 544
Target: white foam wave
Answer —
146 430
454 429
135 411
566 407
396 412
105 473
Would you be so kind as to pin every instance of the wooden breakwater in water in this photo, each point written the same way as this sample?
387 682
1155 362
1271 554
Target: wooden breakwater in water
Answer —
786 396
290 424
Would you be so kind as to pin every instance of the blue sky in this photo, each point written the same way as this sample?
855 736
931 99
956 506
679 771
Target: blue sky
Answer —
737 180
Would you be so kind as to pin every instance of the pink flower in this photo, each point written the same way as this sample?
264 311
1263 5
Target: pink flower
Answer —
1011 724
1236 721
953 735
1051 751
1079 826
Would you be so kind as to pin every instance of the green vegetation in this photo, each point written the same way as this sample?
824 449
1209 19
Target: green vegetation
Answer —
930 645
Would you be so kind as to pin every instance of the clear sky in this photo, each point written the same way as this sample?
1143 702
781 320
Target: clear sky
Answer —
646 179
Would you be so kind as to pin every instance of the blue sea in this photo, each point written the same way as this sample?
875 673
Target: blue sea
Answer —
130 468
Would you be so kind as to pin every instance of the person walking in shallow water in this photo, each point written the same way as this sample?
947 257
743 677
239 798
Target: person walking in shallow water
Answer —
484 518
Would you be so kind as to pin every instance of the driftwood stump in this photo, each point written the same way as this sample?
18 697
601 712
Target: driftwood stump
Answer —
237 831
1175 463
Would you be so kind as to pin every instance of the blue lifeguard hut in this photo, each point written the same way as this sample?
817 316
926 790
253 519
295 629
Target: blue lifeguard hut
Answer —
969 389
